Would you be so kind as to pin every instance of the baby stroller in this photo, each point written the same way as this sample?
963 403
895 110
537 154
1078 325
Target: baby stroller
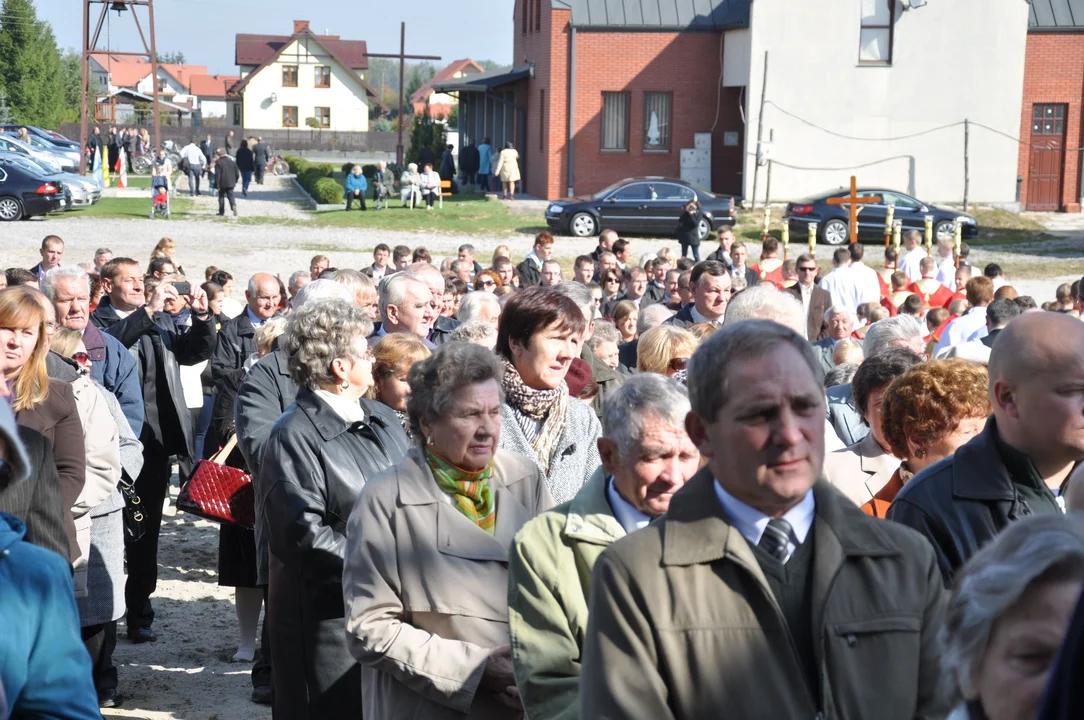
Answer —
159 197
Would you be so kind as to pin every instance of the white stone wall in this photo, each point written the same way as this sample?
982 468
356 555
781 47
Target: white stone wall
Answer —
951 60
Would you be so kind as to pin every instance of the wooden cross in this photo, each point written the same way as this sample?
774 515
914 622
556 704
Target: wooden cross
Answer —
402 57
855 204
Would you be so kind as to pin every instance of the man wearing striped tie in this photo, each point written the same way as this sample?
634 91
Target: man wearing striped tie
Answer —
763 592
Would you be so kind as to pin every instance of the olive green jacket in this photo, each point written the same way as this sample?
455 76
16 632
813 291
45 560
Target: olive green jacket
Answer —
684 625
549 579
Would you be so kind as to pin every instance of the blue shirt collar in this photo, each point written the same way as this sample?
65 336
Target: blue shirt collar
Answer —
629 516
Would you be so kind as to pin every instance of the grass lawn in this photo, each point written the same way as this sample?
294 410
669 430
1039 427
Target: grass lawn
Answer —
464 214
127 208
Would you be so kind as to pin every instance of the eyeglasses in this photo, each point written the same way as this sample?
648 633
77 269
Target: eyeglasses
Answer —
81 357
679 363
488 284
611 280
807 269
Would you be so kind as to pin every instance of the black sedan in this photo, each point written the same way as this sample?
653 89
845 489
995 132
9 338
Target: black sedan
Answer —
24 194
833 221
648 205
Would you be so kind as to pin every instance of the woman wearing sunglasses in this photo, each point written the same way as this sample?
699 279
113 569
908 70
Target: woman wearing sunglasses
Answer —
487 280
665 350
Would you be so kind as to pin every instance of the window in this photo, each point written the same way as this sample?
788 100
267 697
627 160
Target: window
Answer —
526 13
289 116
541 116
657 121
237 114
1048 120
537 14
902 202
323 116
636 192
615 121
289 75
875 40
323 76
670 191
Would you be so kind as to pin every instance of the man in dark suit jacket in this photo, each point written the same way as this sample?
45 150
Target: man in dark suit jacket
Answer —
818 302
261 155
739 254
237 337
160 348
530 270
207 147
999 314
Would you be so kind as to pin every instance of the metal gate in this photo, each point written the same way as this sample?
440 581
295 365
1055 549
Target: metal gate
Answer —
1047 161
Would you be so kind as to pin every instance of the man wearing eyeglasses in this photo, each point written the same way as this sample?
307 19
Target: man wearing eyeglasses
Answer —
815 300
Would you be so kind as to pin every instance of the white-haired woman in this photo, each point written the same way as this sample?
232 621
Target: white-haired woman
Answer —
356 185
410 185
1009 608
320 453
426 576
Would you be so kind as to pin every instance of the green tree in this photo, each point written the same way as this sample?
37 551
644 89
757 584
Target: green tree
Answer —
490 65
30 72
5 111
453 117
420 74
71 71
426 133
171 58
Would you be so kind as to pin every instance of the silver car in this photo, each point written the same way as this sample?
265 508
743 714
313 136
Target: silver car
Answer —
84 190
14 145
68 157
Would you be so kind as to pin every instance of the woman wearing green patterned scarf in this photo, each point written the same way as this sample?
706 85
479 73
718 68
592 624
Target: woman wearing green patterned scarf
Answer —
426 574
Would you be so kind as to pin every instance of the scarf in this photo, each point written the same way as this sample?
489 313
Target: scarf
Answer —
548 407
471 491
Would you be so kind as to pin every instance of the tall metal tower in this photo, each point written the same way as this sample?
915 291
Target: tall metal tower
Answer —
90 45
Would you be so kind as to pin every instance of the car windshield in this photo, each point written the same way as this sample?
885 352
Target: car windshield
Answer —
29 164
608 189
700 191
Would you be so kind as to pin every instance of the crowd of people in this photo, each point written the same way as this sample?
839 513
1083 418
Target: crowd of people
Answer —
650 490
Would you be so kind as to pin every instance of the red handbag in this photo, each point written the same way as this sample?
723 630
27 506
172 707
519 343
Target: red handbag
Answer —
218 492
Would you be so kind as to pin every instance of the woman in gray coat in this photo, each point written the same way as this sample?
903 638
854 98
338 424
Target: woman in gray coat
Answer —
541 332
321 452
426 575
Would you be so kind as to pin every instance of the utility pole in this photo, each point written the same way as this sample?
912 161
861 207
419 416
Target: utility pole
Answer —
90 46
402 57
760 127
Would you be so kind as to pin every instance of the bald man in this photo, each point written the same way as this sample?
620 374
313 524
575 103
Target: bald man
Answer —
1019 463
237 338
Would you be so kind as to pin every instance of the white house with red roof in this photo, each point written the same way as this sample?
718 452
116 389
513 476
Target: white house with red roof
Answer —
287 79
441 104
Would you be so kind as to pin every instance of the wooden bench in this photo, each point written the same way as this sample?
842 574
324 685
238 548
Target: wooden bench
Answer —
445 185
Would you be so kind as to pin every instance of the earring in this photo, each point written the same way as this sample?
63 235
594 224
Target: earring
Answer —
429 440
345 384
920 453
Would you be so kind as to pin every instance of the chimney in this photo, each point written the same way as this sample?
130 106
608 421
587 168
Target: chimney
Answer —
300 26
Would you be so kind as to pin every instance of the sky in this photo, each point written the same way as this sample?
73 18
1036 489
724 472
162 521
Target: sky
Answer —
204 30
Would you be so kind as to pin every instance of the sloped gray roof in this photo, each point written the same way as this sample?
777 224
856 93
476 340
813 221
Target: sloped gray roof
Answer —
658 15
1056 15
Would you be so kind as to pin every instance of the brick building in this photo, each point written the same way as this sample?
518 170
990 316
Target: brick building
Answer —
1050 125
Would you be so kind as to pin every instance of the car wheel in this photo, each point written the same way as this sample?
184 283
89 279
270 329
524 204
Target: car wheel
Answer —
703 229
583 225
835 232
945 230
10 209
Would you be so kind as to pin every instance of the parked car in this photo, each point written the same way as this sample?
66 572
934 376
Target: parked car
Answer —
833 221
66 157
47 135
84 190
13 145
648 205
24 194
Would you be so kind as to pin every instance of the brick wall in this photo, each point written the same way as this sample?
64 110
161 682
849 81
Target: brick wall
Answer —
1054 73
635 62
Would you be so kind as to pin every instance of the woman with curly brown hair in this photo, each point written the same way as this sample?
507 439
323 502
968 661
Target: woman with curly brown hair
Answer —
487 280
927 413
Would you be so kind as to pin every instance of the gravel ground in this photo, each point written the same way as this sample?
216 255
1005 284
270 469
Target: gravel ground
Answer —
243 249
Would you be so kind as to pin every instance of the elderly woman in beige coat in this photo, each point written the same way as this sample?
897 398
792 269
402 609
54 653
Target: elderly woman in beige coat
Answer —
426 574
508 171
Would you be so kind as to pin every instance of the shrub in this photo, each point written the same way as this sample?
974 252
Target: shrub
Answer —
347 168
328 169
297 165
309 177
369 171
327 192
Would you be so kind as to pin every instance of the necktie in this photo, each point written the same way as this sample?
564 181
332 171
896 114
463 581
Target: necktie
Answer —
775 538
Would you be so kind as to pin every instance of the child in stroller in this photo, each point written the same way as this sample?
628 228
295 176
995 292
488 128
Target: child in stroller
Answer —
160 199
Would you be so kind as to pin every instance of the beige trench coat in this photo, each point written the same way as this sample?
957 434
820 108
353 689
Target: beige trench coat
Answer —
860 471
508 166
425 590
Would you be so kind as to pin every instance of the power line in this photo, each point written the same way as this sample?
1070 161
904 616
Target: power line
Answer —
861 139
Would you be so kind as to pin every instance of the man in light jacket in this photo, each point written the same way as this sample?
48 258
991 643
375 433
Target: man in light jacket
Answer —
646 458
763 591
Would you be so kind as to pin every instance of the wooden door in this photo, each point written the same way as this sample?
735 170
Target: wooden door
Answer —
1047 163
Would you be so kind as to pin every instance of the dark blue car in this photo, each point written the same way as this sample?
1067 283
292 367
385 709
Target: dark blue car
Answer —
25 195
833 221
647 205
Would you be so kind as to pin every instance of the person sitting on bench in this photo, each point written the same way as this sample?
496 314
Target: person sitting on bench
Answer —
410 185
356 185
430 185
